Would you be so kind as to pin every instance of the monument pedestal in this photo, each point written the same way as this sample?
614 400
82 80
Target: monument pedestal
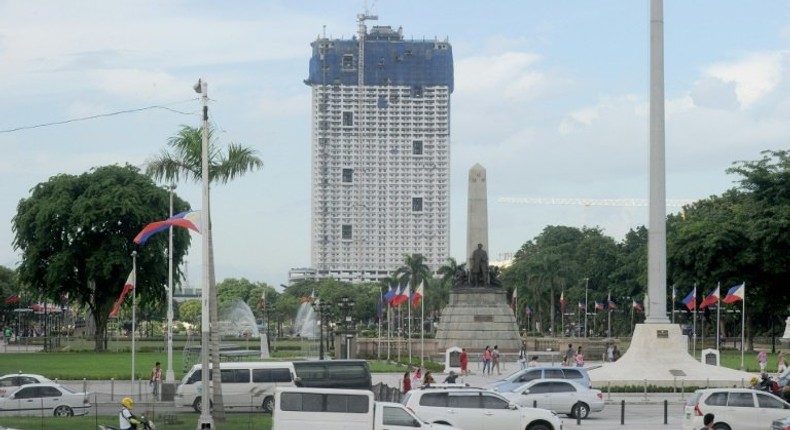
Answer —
476 317
658 355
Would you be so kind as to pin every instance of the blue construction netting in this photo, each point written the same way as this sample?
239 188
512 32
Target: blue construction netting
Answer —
389 60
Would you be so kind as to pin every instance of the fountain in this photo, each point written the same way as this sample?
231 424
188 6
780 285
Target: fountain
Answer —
306 322
236 319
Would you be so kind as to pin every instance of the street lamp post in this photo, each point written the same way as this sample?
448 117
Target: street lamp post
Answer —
206 420
170 375
346 305
319 309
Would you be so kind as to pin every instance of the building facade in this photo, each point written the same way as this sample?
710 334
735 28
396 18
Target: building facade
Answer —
380 153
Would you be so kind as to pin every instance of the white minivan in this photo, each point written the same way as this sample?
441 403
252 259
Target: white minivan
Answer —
244 384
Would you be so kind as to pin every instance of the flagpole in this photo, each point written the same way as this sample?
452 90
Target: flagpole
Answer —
408 305
422 326
694 331
673 304
134 306
400 327
389 331
718 314
743 323
380 317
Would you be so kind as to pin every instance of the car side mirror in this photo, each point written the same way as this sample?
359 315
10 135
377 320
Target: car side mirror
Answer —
512 406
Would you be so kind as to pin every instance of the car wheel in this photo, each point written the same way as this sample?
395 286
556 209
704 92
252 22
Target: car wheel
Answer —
581 410
197 405
539 426
721 426
268 404
63 411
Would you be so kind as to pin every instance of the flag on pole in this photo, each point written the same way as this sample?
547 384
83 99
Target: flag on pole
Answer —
380 305
712 298
691 300
127 287
598 306
390 296
611 304
417 296
188 219
262 301
562 301
674 294
581 306
636 305
527 310
735 293
403 296
13 298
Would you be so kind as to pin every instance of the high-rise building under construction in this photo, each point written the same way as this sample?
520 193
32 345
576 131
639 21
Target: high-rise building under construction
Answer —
380 153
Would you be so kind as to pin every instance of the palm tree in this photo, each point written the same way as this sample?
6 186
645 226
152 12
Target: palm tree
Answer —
448 271
414 271
185 162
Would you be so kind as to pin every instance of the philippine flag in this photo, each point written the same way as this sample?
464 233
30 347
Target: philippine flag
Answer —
390 296
188 219
581 306
127 287
735 293
712 298
611 305
636 306
691 300
403 296
598 306
417 296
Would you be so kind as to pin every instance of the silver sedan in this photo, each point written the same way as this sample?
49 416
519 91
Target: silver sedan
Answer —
559 395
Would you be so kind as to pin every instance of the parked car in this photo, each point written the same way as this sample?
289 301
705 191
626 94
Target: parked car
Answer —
521 377
19 379
45 397
734 409
783 424
559 395
476 409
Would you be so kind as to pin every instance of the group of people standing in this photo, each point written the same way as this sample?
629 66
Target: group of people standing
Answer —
491 360
762 360
573 357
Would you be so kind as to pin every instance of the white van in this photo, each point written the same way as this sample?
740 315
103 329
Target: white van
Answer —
339 409
244 384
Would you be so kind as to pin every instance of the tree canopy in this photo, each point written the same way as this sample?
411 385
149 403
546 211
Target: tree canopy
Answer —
75 234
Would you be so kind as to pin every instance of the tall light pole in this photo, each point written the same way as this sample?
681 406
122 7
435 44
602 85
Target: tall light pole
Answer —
586 288
134 308
205 421
170 375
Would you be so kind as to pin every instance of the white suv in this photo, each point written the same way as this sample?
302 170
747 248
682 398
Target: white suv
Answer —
476 409
734 408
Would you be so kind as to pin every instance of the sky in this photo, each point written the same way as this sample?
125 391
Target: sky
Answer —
550 97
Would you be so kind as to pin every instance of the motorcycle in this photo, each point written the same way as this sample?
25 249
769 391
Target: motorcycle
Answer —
146 424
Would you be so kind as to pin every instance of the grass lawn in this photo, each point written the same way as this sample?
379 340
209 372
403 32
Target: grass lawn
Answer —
234 421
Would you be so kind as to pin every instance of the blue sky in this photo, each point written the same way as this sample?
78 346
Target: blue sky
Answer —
550 97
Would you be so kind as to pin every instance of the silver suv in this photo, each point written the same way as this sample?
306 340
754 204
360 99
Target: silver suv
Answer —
476 409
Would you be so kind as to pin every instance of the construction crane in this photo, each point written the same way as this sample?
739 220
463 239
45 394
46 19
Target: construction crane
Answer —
589 202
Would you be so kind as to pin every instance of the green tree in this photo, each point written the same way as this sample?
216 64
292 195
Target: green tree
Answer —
190 311
184 161
75 234
414 271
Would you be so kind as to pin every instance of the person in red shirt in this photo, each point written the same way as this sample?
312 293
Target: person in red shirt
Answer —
464 362
406 382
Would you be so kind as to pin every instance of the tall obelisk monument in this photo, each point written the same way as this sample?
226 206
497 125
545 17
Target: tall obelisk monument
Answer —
477 211
657 223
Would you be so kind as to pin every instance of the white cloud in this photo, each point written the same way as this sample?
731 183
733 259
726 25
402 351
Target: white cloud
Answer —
754 75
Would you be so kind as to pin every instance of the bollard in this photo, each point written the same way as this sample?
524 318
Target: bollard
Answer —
666 408
578 419
675 384
84 385
645 389
112 388
622 412
682 388
608 390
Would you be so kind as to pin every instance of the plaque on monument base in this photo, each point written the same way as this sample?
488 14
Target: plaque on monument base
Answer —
476 317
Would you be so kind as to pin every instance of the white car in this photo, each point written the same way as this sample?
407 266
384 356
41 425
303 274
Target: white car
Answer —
47 398
734 409
12 380
476 409
559 395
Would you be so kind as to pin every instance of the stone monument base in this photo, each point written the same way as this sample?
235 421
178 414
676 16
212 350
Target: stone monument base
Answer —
658 355
476 317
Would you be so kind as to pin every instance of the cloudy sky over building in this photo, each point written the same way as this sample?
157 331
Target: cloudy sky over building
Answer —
550 97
